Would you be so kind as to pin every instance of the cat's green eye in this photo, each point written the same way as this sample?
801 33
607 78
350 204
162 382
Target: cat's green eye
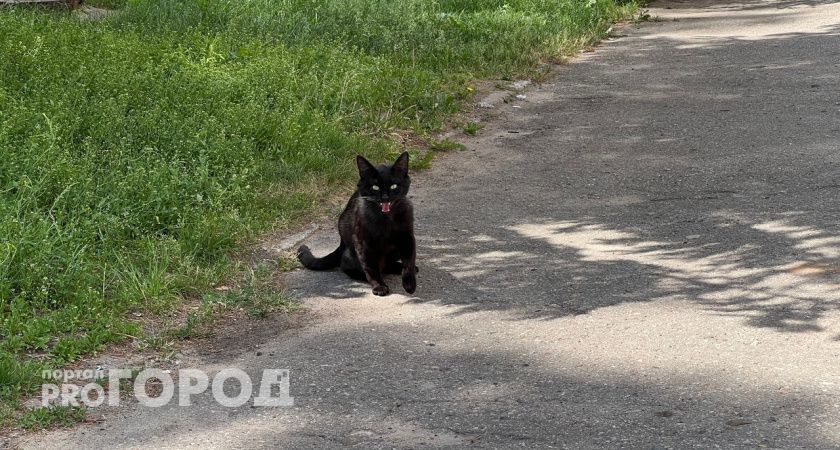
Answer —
375 187
393 186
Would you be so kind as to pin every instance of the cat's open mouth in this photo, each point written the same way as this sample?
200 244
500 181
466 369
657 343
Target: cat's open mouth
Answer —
386 207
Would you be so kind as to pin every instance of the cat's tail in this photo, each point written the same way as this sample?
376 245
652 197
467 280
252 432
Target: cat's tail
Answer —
328 262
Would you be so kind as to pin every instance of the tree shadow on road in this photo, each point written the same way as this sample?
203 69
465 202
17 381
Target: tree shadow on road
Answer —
446 396
712 191
739 5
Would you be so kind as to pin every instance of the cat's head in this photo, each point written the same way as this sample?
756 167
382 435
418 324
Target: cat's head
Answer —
384 185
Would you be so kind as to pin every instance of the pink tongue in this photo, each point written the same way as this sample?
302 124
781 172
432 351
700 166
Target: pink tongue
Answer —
386 207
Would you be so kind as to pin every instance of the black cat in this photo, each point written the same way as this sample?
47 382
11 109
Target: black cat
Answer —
376 229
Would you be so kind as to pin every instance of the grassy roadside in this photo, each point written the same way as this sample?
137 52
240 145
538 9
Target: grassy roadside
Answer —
140 150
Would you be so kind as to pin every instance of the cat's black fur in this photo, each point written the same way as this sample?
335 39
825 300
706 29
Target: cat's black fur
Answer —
376 229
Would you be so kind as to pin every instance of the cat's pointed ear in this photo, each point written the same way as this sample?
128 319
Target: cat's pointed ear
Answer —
366 169
400 167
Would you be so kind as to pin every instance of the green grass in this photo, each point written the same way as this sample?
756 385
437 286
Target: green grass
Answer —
108 4
49 417
472 128
255 295
139 150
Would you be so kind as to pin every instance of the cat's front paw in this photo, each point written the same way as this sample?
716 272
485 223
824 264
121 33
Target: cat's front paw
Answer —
381 290
409 282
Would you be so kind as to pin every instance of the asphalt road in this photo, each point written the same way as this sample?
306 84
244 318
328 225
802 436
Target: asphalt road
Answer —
644 253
